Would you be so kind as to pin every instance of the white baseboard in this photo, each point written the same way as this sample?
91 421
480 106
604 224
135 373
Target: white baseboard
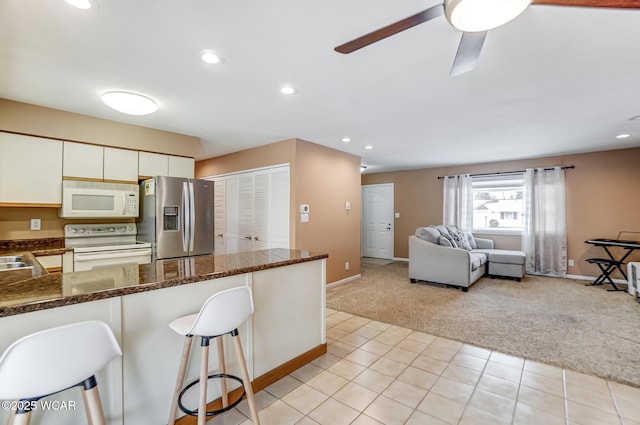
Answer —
343 281
580 277
400 259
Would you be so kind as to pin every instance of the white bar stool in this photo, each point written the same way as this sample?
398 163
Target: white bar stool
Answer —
54 360
221 314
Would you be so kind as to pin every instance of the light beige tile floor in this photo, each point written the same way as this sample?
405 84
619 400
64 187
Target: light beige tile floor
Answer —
375 373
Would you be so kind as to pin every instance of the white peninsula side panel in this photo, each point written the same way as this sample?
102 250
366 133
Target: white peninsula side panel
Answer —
289 317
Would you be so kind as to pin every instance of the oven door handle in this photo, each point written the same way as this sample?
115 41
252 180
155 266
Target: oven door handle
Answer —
125 253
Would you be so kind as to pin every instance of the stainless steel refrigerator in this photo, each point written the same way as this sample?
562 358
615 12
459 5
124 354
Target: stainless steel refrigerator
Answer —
176 216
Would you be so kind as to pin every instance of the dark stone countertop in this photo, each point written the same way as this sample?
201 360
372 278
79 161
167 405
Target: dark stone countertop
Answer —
23 291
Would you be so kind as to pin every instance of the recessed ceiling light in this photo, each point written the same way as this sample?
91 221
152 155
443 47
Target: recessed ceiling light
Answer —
368 147
346 139
623 136
288 90
210 57
129 103
80 4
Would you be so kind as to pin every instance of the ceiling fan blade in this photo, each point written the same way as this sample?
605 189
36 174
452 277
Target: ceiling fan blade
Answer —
389 30
468 52
616 4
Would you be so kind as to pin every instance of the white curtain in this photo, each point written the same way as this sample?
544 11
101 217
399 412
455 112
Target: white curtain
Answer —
457 205
545 235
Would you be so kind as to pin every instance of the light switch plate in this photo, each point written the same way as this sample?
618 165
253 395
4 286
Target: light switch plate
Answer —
304 208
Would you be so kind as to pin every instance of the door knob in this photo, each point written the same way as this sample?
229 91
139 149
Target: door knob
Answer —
248 237
255 238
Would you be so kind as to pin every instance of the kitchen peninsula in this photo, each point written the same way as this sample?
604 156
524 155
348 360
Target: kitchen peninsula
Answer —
286 330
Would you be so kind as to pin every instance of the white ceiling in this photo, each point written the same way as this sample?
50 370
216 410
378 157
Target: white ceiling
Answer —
557 80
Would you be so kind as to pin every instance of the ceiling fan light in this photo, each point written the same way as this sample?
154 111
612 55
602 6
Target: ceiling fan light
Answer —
482 15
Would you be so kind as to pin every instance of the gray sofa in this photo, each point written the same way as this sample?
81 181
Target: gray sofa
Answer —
444 255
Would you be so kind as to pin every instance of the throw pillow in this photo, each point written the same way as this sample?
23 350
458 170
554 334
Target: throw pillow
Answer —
445 242
472 240
461 240
429 234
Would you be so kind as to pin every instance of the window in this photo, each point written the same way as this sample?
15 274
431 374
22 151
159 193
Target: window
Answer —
498 203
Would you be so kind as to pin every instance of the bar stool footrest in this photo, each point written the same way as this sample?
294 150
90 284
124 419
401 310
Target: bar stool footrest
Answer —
217 411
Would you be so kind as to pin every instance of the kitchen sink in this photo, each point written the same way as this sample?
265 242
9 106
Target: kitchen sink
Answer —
14 262
11 259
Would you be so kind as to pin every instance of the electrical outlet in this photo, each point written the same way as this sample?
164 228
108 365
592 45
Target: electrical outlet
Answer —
35 224
346 265
570 263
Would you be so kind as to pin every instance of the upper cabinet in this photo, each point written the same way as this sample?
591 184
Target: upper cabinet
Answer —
152 164
32 168
120 165
99 163
181 167
82 161
30 171
155 164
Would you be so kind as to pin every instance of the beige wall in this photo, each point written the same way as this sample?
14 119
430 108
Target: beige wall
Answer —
603 199
45 122
321 177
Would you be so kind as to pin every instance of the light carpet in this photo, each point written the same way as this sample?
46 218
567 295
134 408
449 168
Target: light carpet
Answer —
556 321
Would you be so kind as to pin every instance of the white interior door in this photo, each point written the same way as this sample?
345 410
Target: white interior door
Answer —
377 221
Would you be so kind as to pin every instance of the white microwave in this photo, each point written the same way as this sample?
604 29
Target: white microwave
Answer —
82 199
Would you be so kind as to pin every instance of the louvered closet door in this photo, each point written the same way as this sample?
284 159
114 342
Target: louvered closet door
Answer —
279 208
232 215
246 212
261 216
219 214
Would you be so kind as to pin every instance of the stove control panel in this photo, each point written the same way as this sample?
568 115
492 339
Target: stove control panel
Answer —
97 230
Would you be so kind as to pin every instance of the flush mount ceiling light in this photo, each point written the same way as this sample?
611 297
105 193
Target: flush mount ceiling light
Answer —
623 136
368 147
209 57
346 139
129 103
482 15
288 90
80 4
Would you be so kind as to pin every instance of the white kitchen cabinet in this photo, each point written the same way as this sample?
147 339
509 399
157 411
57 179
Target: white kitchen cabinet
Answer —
181 167
156 164
30 171
120 165
152 164
253 213
82 161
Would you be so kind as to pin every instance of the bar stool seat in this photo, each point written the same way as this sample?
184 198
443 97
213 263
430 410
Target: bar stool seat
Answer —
54 360
220 315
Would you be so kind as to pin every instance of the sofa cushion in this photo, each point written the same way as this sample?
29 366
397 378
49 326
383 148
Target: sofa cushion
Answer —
477 260
505 256
429 234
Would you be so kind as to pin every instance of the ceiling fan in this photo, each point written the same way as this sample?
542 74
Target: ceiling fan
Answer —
474 18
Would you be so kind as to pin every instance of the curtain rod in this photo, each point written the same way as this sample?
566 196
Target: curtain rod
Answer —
497 173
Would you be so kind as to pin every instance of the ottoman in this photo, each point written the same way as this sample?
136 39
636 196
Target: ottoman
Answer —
506 263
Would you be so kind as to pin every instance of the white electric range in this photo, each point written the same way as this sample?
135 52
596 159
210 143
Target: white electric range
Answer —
99 245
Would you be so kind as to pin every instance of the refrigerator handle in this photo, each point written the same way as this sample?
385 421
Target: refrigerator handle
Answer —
192 218
186 230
